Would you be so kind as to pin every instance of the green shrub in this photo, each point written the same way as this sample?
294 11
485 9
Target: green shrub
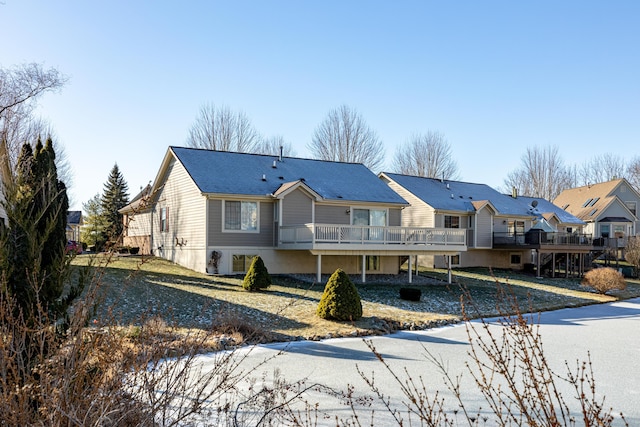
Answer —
603 280
340 299
257 277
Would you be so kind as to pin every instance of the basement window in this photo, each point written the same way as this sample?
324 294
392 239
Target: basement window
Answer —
241 263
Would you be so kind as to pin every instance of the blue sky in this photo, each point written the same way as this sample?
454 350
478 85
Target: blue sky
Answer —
494 77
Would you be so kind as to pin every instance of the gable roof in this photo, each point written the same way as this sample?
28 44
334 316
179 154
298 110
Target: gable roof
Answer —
444 195
139 202
589 201
223 172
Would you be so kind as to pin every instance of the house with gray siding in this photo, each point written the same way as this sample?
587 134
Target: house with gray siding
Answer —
502 231
213 211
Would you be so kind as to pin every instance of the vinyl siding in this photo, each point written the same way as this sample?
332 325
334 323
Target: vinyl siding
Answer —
484 235
139 224
418 213
331 214
184 242
615 210
297 208
217 238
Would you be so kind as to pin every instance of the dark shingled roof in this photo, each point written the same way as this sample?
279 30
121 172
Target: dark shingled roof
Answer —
460 196
74 217
222 172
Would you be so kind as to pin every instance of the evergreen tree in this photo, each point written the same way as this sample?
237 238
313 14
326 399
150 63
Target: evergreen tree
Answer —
32 248
340 299
114 198
257 278
93 230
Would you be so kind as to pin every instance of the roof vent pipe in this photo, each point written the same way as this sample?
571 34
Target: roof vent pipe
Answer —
280 158
514 192
274 164
264 177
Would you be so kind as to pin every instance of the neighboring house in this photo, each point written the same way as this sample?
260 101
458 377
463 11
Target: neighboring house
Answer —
74 223
136 218
213 211
501 231
609 209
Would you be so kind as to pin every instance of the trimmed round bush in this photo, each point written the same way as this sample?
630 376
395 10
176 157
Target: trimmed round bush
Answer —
604 279
340 299
257 277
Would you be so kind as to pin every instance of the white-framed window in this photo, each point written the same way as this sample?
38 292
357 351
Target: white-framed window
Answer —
374 217
451 221
604 230
164 219
240 263
240 216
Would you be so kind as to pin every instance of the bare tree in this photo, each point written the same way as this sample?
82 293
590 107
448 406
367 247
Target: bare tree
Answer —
344 136
271 146
542 173
20 87
633 172
219 128
602 168
427 155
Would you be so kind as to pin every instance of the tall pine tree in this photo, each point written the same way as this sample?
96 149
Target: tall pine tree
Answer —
114 198
32 248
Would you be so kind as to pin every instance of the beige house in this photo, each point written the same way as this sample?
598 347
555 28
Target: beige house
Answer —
136 218
502 231
609 209
213 211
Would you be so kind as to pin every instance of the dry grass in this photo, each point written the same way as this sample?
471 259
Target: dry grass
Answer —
150 287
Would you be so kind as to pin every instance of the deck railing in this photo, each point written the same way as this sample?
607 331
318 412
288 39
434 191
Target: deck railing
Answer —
357 234
542 239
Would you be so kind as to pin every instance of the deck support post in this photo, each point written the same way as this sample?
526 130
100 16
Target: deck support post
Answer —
364 268
449 269
319 268
409 268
